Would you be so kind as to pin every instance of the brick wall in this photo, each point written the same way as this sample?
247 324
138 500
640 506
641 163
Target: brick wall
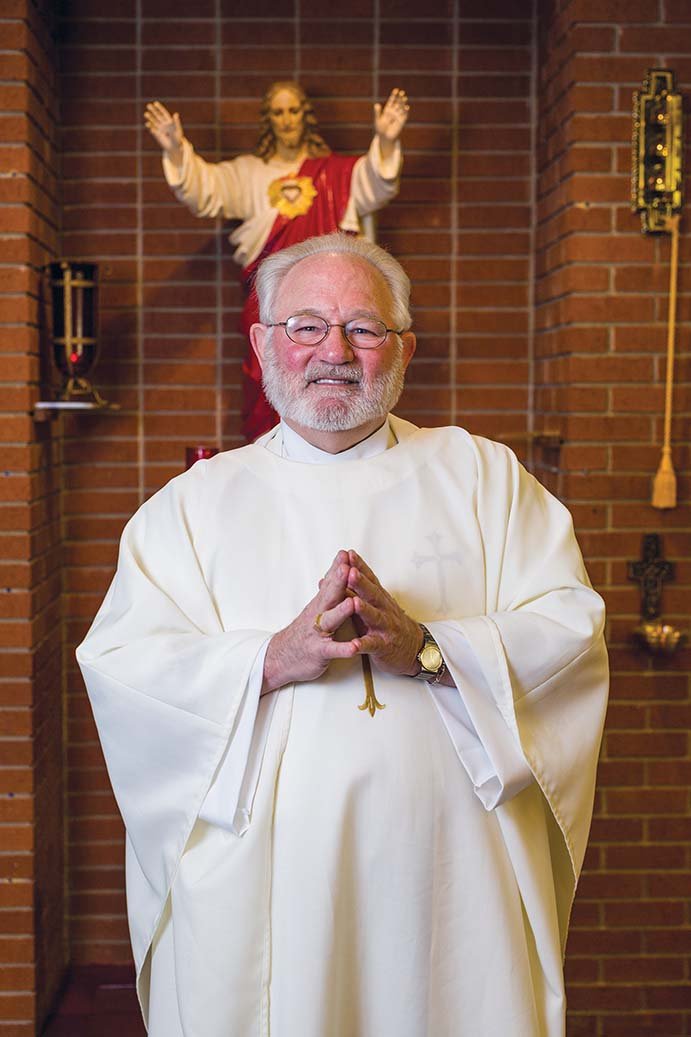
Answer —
601 308
31 790
479 232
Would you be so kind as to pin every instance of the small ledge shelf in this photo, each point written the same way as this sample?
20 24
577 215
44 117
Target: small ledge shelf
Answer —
47 410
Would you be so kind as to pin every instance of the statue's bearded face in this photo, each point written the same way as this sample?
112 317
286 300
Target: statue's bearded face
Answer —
287 118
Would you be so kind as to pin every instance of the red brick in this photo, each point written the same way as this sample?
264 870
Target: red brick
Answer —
596 997
649 685
665 941
670 829
633 744
646 801
670 772
649 858
613 11
17 1006
670 887
606 249
643 970
615 830
643 914
611 886
667 996
671 40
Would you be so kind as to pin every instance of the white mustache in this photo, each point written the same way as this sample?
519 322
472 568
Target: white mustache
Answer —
351 375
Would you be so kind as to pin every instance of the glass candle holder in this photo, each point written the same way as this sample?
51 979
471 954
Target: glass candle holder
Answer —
198 453
74 288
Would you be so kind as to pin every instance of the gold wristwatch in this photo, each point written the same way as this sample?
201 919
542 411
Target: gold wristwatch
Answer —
432 665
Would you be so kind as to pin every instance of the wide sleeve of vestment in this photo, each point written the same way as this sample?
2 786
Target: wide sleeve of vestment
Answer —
210 188
532 670
165 680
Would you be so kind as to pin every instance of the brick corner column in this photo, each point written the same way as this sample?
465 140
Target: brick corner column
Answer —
32 949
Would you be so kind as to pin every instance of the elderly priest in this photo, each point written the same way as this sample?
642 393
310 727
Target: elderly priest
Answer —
350 684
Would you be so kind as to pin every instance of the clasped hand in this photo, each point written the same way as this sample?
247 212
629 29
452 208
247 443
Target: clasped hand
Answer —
350 590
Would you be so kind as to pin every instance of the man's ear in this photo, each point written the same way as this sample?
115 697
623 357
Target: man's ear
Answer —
409 343
258 333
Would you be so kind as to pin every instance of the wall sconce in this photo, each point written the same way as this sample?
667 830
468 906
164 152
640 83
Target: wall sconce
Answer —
74 289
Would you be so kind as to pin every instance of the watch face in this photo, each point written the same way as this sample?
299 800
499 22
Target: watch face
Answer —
430 658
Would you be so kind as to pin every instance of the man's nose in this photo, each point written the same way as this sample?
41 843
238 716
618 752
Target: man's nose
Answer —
335 347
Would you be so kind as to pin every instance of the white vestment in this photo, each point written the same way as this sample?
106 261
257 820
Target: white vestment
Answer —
406 874
238 189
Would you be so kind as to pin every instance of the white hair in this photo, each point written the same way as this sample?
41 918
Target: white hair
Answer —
274 268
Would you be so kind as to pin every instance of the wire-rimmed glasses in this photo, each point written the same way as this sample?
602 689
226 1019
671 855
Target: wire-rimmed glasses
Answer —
361 332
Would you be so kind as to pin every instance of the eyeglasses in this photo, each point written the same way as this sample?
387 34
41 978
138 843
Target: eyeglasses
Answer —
361 332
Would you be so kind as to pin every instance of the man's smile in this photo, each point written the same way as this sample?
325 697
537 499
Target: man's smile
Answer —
333 381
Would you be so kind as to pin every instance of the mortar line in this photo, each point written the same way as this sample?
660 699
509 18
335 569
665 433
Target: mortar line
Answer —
532 165
218 394
453 282
376 55
297 59
140 255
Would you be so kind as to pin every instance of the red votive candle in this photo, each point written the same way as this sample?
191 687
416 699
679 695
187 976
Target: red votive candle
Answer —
198 453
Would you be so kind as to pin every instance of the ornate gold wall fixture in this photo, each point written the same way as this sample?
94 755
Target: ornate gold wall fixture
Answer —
656 176
656 192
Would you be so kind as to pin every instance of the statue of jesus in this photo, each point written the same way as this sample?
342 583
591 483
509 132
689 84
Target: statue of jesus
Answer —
290 188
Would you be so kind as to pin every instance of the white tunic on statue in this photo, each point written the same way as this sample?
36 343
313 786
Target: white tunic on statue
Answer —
406 874
238 189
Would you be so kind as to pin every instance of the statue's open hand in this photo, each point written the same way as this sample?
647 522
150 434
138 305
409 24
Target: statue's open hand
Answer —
385 631
390 120
166 129
303 650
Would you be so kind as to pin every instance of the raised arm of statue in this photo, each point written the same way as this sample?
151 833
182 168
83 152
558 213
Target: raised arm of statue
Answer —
166 129
390 120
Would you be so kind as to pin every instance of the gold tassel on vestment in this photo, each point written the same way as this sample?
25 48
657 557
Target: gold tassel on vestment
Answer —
370 704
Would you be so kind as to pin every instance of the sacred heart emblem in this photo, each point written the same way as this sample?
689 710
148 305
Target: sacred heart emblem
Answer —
292 196
291 191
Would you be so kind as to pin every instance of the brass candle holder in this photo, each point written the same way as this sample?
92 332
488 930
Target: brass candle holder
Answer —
74 290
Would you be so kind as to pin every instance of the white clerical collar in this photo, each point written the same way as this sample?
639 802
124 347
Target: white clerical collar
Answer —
295 448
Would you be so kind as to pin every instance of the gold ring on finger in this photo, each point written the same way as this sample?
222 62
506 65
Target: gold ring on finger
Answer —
318 626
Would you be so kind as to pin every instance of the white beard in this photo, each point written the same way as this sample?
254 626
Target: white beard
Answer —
370 400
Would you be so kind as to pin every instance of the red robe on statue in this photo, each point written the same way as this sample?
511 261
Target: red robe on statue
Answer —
330 177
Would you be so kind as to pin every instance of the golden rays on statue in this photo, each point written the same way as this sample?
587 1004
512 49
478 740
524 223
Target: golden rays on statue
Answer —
292 195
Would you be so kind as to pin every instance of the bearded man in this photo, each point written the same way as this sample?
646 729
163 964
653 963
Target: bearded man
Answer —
291 188
350 684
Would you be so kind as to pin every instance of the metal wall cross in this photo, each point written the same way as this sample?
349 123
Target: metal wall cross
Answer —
651 572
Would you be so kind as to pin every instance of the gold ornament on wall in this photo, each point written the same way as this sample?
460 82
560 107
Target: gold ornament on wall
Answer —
656 193
656 180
